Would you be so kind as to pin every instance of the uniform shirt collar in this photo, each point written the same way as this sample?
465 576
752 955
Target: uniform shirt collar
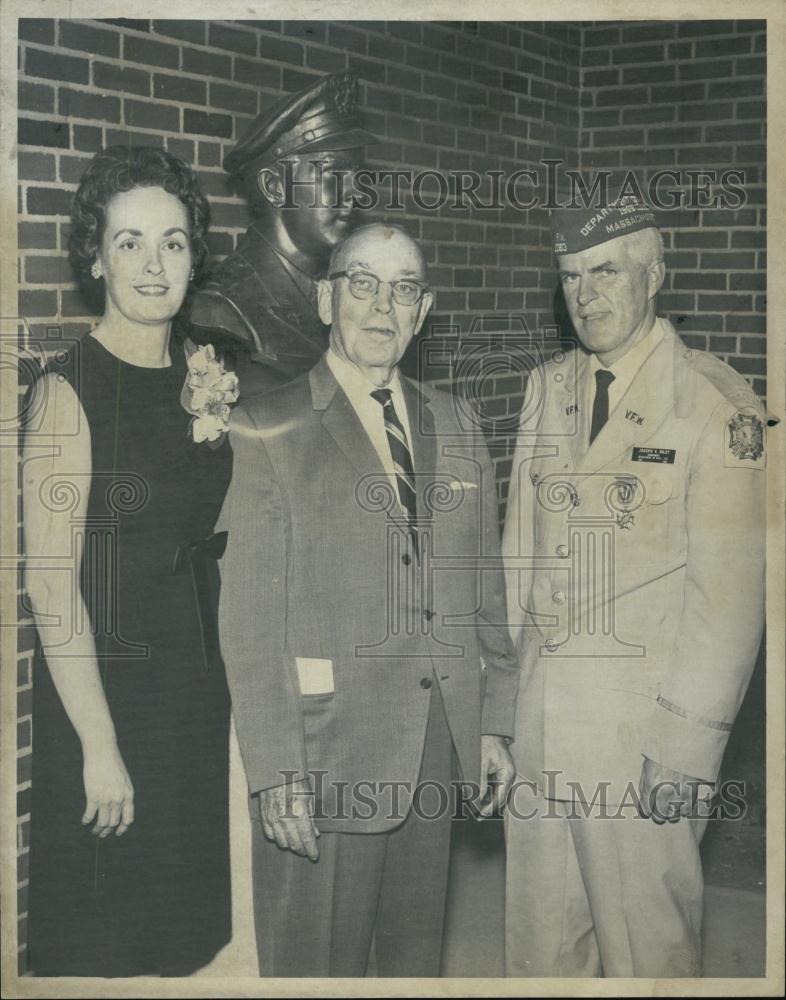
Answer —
625 368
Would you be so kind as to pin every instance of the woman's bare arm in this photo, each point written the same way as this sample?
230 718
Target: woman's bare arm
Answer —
57 461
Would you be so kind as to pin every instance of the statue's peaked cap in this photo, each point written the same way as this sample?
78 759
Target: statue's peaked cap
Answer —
323 116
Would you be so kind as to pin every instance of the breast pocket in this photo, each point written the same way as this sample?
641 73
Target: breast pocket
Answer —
645 504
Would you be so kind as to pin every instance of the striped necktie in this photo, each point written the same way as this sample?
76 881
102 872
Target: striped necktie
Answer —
402 460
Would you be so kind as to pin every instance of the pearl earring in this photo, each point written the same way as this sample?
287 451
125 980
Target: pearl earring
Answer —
95 270
191 276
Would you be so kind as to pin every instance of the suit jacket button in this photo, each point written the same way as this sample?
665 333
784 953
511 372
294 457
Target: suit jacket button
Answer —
426 683
406 559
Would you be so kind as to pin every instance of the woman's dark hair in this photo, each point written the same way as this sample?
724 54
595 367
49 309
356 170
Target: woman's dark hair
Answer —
117 169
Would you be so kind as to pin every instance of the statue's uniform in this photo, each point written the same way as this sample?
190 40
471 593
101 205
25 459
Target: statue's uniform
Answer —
636 595
259 308
260 314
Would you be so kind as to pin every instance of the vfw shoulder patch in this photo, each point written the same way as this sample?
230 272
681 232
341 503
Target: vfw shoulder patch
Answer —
745 442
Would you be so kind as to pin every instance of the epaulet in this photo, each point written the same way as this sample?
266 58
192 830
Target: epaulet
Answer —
728 382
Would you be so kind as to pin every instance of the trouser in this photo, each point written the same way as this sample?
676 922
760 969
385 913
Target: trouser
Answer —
601 896
318 919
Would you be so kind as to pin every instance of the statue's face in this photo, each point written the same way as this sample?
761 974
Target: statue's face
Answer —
317 191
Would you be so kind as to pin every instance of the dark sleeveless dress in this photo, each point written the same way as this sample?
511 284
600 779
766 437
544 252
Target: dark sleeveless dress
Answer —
155 900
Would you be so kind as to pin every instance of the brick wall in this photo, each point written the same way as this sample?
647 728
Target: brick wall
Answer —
441 97
466 95
471 96
691 95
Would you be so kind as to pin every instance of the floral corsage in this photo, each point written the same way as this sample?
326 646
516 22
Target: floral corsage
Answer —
208 394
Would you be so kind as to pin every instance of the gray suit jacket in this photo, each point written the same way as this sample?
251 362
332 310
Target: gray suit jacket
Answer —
332 630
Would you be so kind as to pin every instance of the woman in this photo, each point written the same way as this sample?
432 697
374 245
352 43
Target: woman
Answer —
129 868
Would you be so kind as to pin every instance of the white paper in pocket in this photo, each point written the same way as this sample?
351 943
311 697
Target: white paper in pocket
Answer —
314 676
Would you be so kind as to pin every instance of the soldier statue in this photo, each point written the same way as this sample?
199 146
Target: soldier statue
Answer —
296 163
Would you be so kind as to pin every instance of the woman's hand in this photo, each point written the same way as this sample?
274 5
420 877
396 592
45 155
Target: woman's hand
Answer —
108 791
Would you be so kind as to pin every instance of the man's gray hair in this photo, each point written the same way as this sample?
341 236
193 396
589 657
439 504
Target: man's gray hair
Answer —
338 249
645 247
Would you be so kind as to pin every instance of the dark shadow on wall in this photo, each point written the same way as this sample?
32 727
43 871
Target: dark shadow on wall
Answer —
734 851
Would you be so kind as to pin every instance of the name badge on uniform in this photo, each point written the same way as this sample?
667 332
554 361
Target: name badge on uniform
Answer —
661 456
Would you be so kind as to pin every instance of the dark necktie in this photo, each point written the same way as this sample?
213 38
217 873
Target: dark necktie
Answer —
402 460
600 408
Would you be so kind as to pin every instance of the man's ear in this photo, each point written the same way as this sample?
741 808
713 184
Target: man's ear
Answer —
425 304
655 275
271 186
325 301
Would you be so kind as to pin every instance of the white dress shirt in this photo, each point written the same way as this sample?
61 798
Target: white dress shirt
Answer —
358 389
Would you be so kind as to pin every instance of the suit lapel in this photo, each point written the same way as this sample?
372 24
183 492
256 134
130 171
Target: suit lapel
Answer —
341 422
649 398
343 425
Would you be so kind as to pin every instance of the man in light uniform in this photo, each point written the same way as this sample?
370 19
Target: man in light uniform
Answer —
634 548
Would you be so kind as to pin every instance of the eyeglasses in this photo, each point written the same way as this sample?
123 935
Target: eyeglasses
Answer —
364 285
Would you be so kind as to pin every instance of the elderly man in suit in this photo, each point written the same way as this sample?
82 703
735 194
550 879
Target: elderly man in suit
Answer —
634 548
363 629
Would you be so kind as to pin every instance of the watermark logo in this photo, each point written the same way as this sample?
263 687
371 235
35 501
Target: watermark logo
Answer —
547 185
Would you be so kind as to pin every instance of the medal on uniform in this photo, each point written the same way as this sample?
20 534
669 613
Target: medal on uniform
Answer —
625 494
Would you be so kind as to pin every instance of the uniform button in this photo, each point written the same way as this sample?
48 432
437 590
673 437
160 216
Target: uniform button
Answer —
562 551
406 559
558 597
428 614
550 645
426 683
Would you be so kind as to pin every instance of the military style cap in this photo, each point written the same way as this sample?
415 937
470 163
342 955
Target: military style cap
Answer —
576 229
323 116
